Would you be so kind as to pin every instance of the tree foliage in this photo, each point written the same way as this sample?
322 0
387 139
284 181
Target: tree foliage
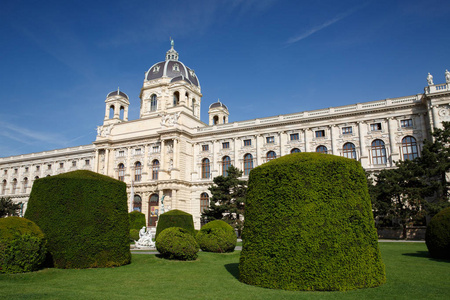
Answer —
8 208
228 199
415 188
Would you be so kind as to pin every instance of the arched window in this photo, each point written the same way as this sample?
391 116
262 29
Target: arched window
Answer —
137 203
121 113
4 187
322 149
216 120
205 168
378 153
409 148
153 209
36 178
271 155
14 186
153 103
137 171
155 169
25 184
121 176
349 150
226 163
204 202
295 150
111 112
248 163
176 98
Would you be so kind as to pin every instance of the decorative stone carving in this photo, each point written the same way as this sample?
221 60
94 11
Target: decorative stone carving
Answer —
169 119
104 130
145 238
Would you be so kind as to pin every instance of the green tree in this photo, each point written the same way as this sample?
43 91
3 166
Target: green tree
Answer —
228 199
8 208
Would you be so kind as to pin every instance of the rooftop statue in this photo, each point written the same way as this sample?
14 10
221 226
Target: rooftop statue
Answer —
430 79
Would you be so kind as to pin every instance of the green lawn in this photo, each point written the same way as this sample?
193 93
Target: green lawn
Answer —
410 275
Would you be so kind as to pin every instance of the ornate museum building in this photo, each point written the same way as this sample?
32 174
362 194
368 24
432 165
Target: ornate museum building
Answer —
170 154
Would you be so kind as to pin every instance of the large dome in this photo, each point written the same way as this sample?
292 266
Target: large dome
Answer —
172 68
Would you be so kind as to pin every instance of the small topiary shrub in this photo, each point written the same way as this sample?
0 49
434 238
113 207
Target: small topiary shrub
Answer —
177 243
134 235
22 245
137 220
217 236
175 218
84 217
437 236
309 226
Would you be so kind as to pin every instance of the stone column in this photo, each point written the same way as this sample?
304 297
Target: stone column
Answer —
145 162
106 161
128 164
236 158
305 134
95 161
195 160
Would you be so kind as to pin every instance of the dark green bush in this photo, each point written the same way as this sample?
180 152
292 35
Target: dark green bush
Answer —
84 217
217 236
137 220
437 236
175 218
134 235
22 245
177 243
309 226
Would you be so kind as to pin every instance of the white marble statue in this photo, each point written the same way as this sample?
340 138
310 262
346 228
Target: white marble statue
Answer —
430 79
145 239
447 76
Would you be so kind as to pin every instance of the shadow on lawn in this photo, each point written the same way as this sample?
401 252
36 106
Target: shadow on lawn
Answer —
233 269
425 254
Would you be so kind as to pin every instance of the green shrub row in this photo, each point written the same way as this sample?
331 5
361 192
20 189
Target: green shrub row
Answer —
309 226
84 217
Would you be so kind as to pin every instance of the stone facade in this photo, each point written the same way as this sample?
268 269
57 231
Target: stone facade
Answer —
169 153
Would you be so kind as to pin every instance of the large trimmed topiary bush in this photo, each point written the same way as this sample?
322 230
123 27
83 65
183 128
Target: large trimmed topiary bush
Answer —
217 236
84 218
309 226
175 218
22 245
137 220
177 243
437 236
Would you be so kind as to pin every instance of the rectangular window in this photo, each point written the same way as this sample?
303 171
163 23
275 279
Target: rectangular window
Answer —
15 171
87 162
137 151
347 130
406 123
294 137
205 147
37 168
61 165
247 142
270 140
121 153
26 169
74 163
320 133
5 172
375 127
49 167
225 145
155 149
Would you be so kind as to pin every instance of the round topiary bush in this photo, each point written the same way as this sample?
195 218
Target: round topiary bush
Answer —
84 216
22 245
217 236
177 243
137 220
309 226
437 236
175 218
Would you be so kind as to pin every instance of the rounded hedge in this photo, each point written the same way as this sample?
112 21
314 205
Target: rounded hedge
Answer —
22 245
137 220
134 235
437 236
175 218
177 243
217 236
309 226
84 216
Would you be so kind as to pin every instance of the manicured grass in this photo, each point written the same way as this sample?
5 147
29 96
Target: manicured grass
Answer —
411 274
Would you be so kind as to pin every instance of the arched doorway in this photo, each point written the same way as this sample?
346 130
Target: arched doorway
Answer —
153 209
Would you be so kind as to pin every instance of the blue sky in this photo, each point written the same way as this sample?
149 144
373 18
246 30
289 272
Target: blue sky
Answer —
59 59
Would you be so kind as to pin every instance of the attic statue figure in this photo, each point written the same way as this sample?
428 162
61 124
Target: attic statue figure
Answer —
430 79
447 76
